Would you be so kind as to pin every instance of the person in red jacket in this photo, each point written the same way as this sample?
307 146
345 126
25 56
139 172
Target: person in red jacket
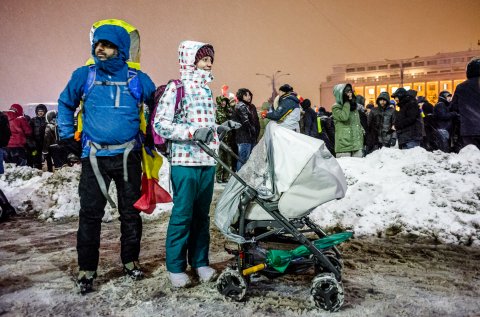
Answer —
20 130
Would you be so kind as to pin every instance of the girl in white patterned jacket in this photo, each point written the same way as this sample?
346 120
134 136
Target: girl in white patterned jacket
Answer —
193 171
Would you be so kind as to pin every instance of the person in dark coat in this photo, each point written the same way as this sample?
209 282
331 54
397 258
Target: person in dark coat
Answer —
408 122
429 141
466 102
21 130
4 137
309 119
38 124
380 122
54 154
246 136
444 120
327 129
362 112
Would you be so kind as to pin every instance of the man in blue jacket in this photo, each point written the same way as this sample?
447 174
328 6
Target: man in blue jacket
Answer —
111 139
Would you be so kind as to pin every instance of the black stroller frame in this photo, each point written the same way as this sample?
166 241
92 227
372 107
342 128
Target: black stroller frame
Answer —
327 291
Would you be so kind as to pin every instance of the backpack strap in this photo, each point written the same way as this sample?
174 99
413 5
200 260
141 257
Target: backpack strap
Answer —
180 94
132 82
88 85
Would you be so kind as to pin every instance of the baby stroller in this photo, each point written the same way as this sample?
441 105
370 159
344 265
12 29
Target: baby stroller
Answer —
287 176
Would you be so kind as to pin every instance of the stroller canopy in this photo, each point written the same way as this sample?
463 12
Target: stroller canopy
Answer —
294 169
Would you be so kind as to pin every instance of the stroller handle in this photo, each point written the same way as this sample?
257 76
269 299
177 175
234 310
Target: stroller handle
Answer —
212 153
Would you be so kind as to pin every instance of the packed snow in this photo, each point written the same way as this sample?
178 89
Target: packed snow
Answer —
390 192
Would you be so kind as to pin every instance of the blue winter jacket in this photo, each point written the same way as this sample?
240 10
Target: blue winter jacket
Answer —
104 123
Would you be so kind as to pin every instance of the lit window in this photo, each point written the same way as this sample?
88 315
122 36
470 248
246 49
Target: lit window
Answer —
371 91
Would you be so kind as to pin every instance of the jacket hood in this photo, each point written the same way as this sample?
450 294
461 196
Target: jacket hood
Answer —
442 96
17 109
51 116
186 58
338 92
400 93
115 34
40 107
385 96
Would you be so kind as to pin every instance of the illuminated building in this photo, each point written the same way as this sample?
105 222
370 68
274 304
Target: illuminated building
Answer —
427 75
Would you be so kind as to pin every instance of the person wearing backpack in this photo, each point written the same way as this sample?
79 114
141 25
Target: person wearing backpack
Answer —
112 95
54 154
192 170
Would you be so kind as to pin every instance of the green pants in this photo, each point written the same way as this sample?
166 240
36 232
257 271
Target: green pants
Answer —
188 233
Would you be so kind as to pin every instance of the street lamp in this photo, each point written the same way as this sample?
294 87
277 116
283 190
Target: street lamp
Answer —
274 76
400 62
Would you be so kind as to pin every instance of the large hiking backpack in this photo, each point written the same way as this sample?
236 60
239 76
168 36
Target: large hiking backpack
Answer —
162 145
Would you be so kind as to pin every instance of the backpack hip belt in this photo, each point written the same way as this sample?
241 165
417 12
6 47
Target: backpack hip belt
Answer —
94 147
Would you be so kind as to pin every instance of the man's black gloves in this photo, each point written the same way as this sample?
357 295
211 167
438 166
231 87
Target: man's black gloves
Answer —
203 134
71 146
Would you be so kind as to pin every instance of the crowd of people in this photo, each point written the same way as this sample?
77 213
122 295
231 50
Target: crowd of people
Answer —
109 146
32 141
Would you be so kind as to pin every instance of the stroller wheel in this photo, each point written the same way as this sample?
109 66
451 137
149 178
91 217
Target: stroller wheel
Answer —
327 292
232 284
336 261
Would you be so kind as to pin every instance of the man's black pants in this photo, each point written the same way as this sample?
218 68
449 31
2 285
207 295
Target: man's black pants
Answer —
92 208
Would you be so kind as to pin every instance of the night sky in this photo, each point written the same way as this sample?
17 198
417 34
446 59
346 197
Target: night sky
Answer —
44 41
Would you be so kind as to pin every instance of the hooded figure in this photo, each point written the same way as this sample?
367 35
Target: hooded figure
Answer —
442 113
443 120
20 132
35 144
380 121
466 102
192 170
408 121
111 140
198 107
348 129
19 127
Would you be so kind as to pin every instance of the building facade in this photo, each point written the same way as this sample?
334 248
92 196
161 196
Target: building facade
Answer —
427 75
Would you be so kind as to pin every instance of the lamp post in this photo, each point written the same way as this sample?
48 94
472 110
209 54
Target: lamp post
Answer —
400 62
274 76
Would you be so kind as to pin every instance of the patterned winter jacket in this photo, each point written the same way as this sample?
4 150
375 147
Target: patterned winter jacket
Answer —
197 111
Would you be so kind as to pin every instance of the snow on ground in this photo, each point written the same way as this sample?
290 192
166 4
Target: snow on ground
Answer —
390 191
410 191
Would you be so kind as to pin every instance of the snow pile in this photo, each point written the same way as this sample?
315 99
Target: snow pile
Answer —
411 192
390 191
54 196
